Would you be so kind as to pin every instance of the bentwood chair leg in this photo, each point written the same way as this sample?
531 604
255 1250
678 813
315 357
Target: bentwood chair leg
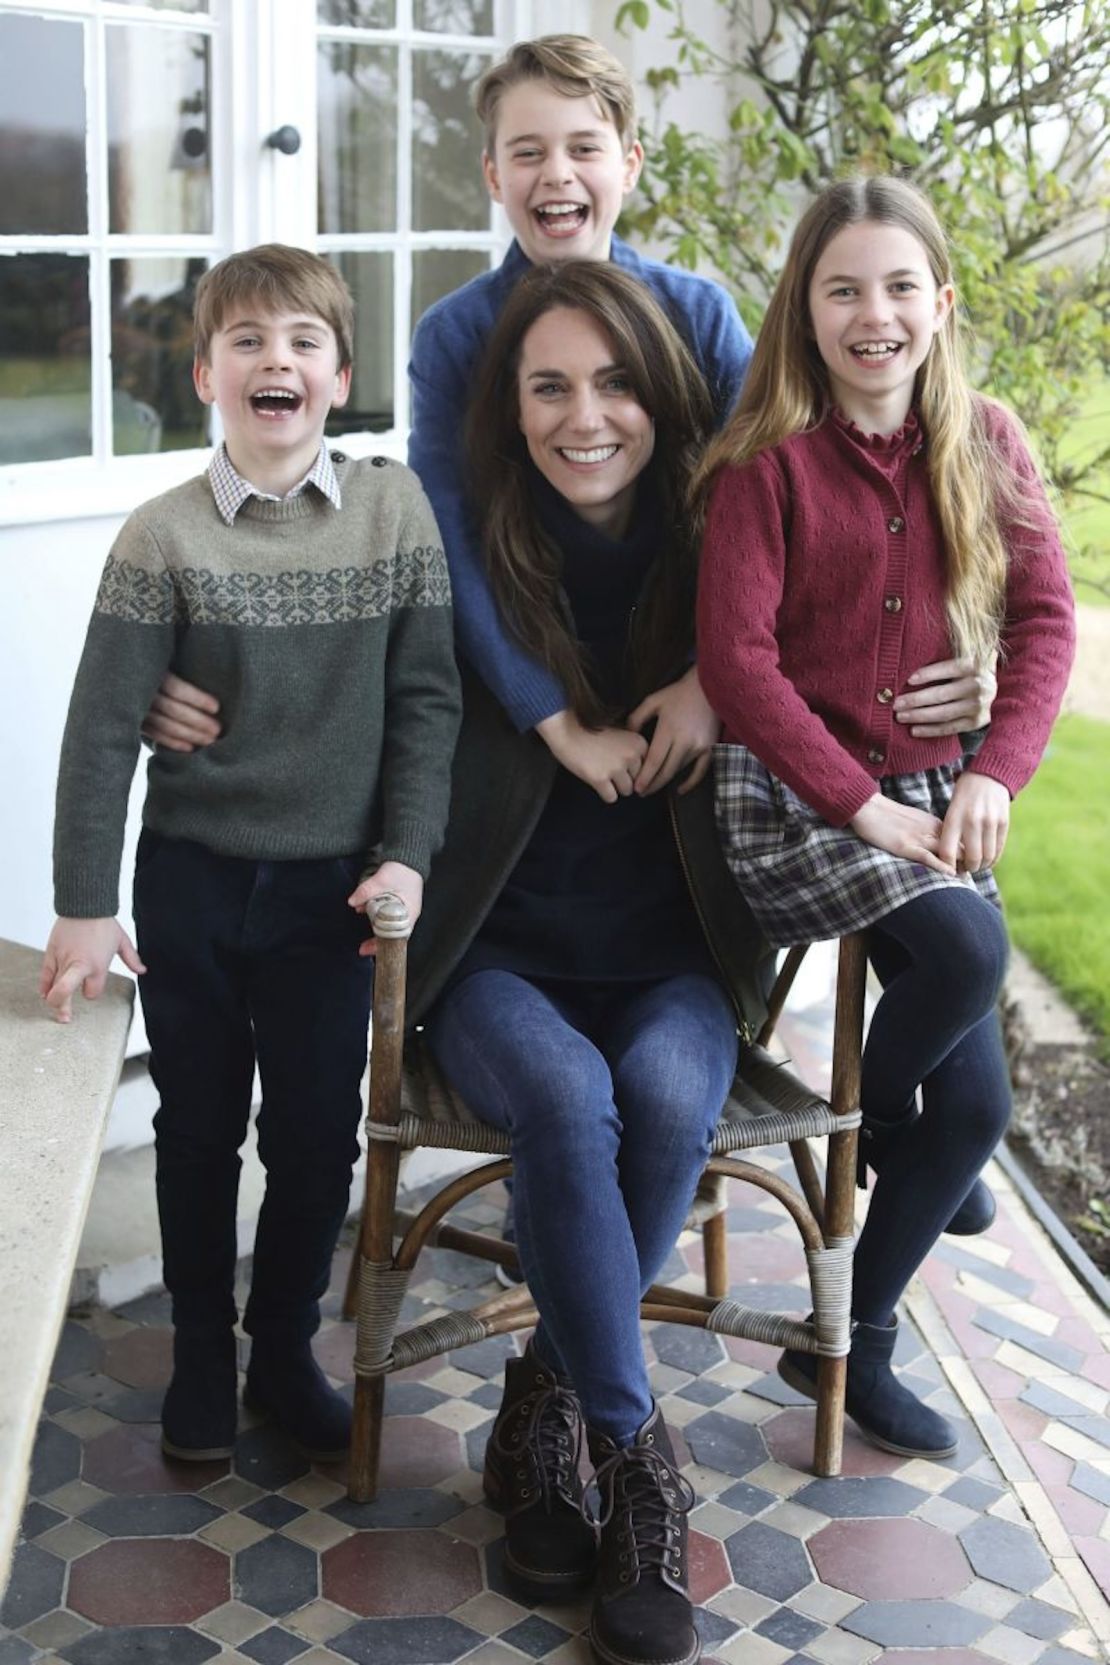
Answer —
714 1237
828 1441
366 1439
350 1294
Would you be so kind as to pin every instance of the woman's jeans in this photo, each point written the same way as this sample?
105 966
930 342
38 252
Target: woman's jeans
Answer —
610 1093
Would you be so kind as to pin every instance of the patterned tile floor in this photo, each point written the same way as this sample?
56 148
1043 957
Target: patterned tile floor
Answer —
1000 1554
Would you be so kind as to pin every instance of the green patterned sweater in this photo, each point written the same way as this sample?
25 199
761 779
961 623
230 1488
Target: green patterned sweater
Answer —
326 636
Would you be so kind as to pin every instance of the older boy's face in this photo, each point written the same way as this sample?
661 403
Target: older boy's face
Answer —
274 376
560 171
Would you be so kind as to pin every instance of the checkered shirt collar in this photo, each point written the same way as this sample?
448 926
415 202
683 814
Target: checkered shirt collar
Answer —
231 491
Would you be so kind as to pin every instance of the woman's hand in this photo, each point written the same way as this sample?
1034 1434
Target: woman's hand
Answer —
77 956
952 696
181 716
976 824
607 759
911 833
395 879
686 730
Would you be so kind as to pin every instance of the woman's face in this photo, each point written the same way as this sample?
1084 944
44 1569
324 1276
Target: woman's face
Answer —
586 431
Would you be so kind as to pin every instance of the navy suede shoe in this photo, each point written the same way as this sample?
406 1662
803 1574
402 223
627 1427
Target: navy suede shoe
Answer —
285 1383
200 1411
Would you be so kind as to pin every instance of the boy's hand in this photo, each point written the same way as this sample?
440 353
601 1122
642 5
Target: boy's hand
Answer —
78 955
953 696
911 833
976 824
607 759
395 879
686 730
181 716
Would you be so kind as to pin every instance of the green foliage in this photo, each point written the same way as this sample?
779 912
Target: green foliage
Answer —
1055 874
1000 110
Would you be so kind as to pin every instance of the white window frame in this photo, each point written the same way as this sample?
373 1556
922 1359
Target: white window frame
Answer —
259 53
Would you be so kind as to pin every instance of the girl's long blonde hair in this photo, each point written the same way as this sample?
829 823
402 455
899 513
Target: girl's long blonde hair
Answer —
787 391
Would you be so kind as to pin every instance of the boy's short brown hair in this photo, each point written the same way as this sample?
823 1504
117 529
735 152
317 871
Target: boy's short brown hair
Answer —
575 66
279 278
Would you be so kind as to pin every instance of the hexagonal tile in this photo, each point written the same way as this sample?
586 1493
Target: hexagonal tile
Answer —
889 1558
130 1459
143 1358
149 1581
1006 1554
417 1452
768 1561
406 1641
276 1575
725 1443
391 1574
34 1588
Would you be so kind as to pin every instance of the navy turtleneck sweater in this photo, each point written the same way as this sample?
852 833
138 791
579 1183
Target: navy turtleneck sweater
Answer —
598 894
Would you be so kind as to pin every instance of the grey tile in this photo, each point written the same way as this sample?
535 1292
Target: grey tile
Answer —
1037 1618
413 1398
1044 1398
857 1497
484 1358
15 1651
1056 1352
916 1624
153 1308
273 1511
266 1458
713 1627
725 1443
1091 1483
973 1494
165 1515
38 1518
685 1348
535 1636
1001 1276
276 1575
34 1588
141 1645
1006 1554
406 1641
475 1441
789 1629
56 1460
700 1392
273 1646
92 1388
772 1388
404 1506
134 1404
57 1399
1094 1427
768 1561
752 1219
77 1350
747 1499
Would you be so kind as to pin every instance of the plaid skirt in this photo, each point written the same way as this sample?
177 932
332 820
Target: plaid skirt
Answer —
805 880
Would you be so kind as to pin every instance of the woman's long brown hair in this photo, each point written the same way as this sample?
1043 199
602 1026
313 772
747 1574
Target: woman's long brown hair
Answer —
524 563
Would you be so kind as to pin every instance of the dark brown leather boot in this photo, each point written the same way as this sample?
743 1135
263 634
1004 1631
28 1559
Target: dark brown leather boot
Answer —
532 1473
642 1613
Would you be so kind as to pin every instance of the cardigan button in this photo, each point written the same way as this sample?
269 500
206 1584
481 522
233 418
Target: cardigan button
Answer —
875 755
895 523
885 695
893 603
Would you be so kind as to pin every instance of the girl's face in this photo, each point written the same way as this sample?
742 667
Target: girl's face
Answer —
874 308
586 431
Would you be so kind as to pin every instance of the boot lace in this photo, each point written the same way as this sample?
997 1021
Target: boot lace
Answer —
545 1438
651 1496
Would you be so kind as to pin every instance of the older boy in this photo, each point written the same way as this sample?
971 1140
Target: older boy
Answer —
310 593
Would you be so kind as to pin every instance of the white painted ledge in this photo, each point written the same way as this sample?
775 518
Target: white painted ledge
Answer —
56 1087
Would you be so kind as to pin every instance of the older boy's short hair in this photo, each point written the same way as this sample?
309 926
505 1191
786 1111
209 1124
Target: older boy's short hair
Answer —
575 66
277 277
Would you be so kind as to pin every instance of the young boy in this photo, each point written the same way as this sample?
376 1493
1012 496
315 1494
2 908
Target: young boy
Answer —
310 594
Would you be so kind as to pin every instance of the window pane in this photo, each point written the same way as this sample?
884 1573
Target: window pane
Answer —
45 397
455 17
42 126
158 142
154 404
357 14
448 193
169 5
370 405
358 137
436 272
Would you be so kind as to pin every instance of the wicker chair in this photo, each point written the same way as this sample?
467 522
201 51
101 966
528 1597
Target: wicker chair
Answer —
411 1105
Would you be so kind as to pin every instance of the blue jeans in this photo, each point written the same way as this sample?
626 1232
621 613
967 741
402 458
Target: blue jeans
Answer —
610 1093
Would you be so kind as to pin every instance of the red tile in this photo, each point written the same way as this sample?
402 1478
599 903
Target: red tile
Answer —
129 1459
898 1560
1025 1424
934 1656
1096 1553
709 1568
1049 1297
1081 1515
755 1257
388 1574
757 1354
145 1581
334 1349
1076 1332
789 1438
1096 1368
142 1358
418 1452
1051 1467
996 1381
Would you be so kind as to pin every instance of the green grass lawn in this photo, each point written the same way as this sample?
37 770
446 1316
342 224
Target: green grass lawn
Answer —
1088 523
1055 874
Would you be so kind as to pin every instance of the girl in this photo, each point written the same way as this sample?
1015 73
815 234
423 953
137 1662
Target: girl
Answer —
866 512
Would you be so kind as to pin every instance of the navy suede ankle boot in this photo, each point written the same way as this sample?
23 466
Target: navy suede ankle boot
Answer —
200 1410
285 1383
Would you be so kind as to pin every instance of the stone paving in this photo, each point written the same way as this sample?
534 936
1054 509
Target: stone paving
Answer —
1001 1553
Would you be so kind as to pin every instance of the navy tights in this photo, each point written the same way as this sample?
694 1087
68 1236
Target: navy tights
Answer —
941 959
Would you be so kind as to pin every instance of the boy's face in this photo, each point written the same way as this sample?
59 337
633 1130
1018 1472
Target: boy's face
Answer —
561 172
274 376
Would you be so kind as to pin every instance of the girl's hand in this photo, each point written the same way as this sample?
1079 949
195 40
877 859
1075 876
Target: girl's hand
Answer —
607 759
77 956
395 879
952 696
911 833
976 824
686 730
181 716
